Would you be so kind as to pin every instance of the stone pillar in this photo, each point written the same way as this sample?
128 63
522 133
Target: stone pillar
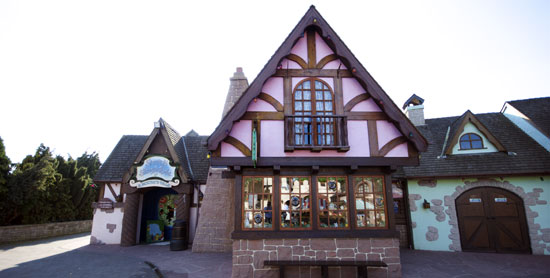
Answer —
129 221
216 215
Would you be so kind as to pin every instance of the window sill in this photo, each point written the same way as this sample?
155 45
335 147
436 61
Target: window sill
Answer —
317 148
262 234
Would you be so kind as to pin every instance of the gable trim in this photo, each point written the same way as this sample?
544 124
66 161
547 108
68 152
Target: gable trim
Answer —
470 118
313 18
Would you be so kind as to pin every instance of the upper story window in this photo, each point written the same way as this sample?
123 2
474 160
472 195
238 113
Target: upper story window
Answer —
313 123
471 141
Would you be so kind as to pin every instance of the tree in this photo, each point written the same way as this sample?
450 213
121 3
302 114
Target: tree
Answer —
31 189
46 189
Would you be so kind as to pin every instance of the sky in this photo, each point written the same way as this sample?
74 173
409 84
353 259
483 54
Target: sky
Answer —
77 75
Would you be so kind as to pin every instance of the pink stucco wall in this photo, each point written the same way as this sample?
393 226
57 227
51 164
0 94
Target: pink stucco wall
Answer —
287 64
274 87
230 151
386 132
272 142
241 130
366 106
260 105
351 89
399 151
300 48
322 48
336 64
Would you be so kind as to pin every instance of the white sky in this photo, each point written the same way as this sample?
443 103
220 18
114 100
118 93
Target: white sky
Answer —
77 75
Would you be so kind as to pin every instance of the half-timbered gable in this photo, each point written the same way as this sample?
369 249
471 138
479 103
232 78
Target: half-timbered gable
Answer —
313 99
311 144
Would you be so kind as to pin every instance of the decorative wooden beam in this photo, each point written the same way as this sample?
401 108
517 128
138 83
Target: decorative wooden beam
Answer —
297 59
311 49
238 144
354 101
271 100
263 116
392 144
373 137
312 73
379 116
326 60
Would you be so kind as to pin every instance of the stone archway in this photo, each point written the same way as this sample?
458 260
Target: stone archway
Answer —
529 199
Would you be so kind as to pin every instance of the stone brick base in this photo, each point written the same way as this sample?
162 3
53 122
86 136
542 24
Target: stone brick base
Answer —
249 256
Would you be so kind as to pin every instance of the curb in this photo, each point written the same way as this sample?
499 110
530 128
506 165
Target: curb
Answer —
155 269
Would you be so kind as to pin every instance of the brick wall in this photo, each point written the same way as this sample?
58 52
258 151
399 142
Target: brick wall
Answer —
403 238
216 216
249 256
39 231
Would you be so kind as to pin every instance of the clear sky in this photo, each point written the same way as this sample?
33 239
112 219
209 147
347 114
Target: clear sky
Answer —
77 75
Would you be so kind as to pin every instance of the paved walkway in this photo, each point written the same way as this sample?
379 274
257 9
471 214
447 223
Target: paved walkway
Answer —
71 256
427 264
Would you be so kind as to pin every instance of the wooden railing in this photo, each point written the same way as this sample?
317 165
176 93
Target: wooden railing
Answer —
316 132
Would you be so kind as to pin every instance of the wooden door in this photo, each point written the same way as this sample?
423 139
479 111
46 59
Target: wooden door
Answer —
492 220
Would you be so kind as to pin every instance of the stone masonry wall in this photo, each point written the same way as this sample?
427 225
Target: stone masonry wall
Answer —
39 231
249 256
216 216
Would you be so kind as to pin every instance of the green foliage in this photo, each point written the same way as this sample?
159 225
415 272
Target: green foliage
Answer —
46 189
5 166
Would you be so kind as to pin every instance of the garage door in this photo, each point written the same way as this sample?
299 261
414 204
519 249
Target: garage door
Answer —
492 220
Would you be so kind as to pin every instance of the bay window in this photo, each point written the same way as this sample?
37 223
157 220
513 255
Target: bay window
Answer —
313 203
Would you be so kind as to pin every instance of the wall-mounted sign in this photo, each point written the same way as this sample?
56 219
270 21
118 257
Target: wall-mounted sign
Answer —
156 171
501 200
475 200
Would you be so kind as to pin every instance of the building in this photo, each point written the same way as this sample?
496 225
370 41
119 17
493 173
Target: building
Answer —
150 182
310 147
484 182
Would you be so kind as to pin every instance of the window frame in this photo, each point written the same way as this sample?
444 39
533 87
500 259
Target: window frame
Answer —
280 193
314 142
469 140
318 210
243 210
314 230
385 197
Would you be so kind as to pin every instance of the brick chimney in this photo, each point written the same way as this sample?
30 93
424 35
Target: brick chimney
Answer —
414 109
237 85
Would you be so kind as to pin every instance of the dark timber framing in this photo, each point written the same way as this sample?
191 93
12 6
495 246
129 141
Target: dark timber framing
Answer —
273 68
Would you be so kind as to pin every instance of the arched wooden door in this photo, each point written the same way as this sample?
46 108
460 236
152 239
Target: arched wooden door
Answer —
492 220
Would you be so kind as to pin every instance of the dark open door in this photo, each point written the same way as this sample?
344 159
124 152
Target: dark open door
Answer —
492 220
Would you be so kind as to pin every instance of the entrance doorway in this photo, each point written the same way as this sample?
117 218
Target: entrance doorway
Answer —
158 215
492 220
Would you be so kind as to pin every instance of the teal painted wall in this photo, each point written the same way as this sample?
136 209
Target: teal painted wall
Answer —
537 202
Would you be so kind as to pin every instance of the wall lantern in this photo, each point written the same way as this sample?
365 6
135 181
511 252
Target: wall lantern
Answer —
426 204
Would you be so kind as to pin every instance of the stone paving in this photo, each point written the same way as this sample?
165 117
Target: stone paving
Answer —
426 264
71 256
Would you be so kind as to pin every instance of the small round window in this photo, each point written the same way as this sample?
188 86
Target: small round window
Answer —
471 141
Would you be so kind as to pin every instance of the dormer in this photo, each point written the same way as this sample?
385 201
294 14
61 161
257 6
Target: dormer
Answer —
467 135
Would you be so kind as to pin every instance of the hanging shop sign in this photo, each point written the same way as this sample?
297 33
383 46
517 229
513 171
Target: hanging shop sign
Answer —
156 171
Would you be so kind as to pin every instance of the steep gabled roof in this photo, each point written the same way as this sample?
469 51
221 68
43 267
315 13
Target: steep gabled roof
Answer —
313 18
537 110
523 156
120 159
457 127
188 151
